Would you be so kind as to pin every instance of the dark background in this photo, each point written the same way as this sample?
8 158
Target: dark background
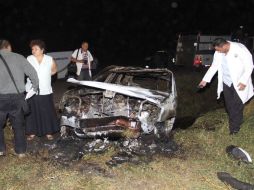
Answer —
118 30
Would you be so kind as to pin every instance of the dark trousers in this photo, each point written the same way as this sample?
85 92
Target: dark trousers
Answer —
84 75
10 107
234 107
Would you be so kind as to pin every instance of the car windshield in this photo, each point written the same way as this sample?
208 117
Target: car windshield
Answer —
160 81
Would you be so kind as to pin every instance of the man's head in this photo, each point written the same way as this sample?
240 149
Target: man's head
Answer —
221 45
5 44
84 45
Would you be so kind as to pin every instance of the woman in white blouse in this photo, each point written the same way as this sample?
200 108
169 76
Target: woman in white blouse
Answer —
42 121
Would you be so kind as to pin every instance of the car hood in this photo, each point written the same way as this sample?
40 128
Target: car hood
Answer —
152 96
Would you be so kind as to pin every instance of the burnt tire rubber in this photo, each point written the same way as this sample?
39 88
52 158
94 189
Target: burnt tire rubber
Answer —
67 131
79 133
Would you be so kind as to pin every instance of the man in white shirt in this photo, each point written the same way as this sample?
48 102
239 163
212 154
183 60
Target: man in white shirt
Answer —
234 64
83 59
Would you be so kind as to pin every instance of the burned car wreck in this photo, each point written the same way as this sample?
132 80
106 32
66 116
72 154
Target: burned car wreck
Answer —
120 101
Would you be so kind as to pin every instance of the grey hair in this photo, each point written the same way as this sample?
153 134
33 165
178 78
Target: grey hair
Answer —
4 43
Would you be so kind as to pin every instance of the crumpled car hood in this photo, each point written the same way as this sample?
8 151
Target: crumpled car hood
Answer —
153 96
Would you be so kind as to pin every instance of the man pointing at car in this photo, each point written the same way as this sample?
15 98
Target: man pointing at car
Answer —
234 65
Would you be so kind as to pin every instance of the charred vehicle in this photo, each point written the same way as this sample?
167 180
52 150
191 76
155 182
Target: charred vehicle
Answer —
120 101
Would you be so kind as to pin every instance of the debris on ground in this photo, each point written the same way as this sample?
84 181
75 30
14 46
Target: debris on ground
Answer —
70 150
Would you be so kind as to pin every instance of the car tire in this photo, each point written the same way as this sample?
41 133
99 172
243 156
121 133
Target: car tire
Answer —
169 125
65 131
162 129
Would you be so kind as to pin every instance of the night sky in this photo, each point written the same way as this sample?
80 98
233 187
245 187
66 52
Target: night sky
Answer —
118 29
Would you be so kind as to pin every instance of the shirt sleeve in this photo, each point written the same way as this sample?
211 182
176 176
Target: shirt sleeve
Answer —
213 69
247 61
74 54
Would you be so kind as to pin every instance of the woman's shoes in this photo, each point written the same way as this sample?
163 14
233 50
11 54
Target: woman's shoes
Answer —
50 137
30 137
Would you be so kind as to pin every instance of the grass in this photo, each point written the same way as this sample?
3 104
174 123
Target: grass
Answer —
211 145
194 167
191 100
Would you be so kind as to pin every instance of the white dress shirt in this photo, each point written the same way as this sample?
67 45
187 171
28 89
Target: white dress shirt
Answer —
225 72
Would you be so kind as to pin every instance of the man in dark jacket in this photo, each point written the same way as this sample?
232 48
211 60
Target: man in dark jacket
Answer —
11 100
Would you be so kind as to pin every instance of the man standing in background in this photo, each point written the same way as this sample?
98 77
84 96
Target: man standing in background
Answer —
83 59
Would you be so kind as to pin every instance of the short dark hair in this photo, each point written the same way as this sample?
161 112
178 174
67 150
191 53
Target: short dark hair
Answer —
218 42
84 41
4 43
39 43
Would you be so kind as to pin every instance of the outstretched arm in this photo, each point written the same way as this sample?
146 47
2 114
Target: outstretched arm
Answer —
211 71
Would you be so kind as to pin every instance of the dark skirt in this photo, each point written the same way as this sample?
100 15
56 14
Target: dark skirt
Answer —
43 119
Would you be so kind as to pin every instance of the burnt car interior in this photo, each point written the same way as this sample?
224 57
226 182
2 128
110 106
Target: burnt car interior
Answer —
119 100
146 79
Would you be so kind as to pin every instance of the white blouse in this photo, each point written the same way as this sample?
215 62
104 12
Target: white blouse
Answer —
43 70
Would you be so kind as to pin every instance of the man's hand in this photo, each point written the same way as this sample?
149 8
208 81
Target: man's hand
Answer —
202 84
241 86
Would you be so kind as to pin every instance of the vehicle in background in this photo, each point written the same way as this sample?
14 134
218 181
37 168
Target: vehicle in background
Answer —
204 50
196 50
160 59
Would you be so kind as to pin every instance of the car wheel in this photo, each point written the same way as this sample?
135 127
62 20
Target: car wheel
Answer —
79 133
169 125
162 129
65 131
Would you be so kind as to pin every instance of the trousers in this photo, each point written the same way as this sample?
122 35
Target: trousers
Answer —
10 107
234 107
84 75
